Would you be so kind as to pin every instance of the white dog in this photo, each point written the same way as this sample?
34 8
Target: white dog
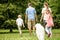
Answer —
40 31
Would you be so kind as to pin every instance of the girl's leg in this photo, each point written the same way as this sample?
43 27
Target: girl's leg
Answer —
50 32
19 28
47 30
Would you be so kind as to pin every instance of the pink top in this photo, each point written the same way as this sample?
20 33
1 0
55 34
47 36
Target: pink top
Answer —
49 20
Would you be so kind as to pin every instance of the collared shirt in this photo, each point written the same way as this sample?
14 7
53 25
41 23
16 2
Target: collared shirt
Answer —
30 11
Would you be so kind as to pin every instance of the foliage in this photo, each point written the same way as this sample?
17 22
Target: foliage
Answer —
55 6
6 35
9 9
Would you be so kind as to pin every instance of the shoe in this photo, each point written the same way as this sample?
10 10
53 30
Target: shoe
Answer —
49 34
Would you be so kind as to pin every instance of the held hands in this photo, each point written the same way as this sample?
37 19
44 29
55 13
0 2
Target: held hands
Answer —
36 20
40 19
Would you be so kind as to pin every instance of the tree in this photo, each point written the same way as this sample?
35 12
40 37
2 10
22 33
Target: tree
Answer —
55 6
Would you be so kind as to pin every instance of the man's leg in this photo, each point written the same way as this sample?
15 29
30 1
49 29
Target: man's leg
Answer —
29 26
33 24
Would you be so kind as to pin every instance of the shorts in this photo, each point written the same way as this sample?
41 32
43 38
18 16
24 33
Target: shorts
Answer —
31 23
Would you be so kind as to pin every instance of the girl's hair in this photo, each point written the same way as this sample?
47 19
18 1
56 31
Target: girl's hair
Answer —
47 10
20 16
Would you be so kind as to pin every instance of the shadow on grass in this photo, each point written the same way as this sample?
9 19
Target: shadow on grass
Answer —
24 31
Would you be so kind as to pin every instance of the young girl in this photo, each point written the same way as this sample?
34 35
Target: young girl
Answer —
19 22
49 22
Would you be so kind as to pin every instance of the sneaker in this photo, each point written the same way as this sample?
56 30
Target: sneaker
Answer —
49 34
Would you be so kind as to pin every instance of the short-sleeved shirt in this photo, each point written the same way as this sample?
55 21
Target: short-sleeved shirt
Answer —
44 11
19 21
30 11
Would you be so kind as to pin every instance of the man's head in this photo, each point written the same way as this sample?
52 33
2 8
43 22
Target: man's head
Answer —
19 16
29 4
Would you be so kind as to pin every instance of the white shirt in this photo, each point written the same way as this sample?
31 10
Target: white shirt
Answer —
44 11
19 21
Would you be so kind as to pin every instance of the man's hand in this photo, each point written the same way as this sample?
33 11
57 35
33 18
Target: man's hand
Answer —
36 20
16 23
36 17
25 21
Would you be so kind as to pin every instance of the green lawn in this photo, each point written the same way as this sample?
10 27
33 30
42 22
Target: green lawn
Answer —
6 35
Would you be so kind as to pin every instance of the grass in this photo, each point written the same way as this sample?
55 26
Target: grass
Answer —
6 35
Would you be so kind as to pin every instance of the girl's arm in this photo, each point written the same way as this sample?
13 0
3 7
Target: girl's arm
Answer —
23 24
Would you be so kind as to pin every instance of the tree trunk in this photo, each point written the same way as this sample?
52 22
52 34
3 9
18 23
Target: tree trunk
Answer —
11 29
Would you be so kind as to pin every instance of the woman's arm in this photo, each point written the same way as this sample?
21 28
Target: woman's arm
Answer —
42 17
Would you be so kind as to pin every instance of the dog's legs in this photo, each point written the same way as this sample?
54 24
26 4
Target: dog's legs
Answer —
40 36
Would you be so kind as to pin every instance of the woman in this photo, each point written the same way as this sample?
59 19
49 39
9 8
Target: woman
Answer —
45 17
44 12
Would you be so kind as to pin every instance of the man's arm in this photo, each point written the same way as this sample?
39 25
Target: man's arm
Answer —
26 18
26 15
36 17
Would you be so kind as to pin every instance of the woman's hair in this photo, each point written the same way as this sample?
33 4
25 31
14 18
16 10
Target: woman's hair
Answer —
46 4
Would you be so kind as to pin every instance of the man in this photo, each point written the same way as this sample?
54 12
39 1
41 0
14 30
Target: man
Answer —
30 16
